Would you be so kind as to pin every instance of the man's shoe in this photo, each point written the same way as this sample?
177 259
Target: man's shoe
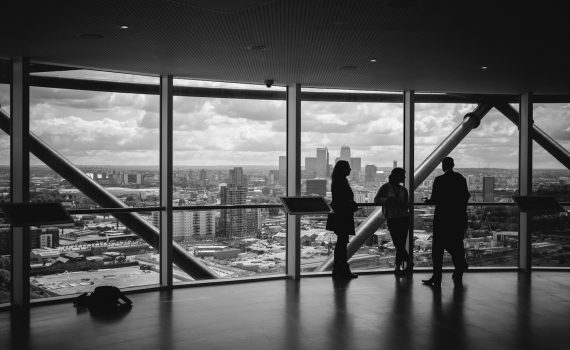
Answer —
432 282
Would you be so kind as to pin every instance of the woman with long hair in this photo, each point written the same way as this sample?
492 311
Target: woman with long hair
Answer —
342 220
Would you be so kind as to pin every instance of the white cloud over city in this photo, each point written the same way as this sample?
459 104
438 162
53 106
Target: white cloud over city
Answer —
94 128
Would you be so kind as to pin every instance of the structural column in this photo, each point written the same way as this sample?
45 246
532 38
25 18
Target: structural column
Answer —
293 178
166 102
409 118
525 178
20 179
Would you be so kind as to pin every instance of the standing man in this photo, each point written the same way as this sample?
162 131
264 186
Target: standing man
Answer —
450 195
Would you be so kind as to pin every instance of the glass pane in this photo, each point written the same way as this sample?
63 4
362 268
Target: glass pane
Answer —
113 138
228 152
368 135
96 250
261 252
5 248
488 159
550 232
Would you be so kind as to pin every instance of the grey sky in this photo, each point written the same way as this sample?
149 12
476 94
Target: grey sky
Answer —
122 129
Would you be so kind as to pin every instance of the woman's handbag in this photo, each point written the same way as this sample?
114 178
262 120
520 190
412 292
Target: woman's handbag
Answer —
332 224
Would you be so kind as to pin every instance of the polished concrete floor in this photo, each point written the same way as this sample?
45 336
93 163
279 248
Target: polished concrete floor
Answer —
492 310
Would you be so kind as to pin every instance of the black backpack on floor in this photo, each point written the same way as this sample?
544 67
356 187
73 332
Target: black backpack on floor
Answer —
103 298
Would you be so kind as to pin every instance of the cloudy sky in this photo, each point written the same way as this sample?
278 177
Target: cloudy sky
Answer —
94 128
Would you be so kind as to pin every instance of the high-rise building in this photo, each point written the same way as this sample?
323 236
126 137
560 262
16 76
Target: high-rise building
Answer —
322 162
488 189
311 165
316 186
356 166
233 221
345 153
395 164
370 174
273 178
237 177
283 170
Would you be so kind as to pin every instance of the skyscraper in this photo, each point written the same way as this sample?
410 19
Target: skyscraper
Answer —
345 153
283 170
311 165
322 162
370 174
488 189
395 164
233 222
237 177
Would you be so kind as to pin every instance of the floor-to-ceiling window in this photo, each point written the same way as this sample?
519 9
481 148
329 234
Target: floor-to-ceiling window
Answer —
365 129
112 138
488 159
229 145
5 246
550 233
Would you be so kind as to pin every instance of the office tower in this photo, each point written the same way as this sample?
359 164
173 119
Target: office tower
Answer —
322 162
283 170
202 175
236 177
311 164
488 189
233 221
316 186
356 166
395 164
273 177
370 174
345 153
253 221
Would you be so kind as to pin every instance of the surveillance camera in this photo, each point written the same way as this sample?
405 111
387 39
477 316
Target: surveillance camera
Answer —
269 82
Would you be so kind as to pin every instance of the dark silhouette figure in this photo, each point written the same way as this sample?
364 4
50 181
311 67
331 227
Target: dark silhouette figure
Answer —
394 200
450 196
342 220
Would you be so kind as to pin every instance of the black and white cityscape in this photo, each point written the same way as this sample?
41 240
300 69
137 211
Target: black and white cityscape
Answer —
233 152
98 249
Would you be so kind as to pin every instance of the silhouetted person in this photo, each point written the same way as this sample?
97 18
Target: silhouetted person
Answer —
450 195
394 200
342 220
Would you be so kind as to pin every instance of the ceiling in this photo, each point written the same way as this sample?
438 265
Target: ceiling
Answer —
431 46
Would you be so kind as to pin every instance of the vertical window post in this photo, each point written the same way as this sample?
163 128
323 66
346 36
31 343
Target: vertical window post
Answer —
166 102
20 179
525 178
409 118
293 177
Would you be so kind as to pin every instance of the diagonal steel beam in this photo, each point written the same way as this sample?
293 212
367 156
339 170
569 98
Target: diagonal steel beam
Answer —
99 195
537 134
470 121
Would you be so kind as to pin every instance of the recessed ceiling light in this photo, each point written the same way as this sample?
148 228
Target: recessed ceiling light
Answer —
124 27
91 36
484 67
257 48
372 61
